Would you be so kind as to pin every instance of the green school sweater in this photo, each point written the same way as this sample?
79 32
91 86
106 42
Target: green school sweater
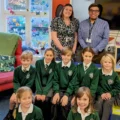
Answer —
109 83
77 116
45 77
35 115
24 78
89 79
64 79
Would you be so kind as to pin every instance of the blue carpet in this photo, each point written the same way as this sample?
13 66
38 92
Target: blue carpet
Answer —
4 103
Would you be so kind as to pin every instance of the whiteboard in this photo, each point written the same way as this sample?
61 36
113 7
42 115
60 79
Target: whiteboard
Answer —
80 8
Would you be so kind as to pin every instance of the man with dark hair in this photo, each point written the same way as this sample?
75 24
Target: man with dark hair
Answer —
94 32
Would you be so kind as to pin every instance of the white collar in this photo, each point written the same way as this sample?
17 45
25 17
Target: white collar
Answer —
106 74
27 69
68 65
85 115
30 110
88 65
46 63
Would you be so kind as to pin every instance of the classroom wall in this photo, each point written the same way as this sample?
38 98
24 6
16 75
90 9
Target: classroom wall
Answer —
55 3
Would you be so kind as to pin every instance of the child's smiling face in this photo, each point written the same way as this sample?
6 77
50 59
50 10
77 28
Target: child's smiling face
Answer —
48 56
83 102
25 99
107 64
66 58
87 57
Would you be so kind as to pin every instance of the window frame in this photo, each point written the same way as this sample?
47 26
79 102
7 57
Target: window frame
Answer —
28 15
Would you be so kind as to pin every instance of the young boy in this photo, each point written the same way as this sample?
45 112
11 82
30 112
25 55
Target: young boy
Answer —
24 75
63 85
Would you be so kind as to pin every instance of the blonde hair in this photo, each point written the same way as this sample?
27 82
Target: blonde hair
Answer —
108 56
21 90
27 54
67 50
81 91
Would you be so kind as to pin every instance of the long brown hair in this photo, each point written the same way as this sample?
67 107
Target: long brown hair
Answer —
88 49
81 91
72 15
50 49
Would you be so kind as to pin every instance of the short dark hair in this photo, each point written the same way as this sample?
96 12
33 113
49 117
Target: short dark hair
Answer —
93 5
72 15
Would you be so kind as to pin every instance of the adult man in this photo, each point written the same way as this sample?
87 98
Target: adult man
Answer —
94 32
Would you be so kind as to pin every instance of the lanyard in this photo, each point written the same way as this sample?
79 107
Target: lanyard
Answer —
90 29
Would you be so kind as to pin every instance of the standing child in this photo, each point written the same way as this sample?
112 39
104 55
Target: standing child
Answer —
83 107
24 75
45 69
26 110
108 86
87 72
63 85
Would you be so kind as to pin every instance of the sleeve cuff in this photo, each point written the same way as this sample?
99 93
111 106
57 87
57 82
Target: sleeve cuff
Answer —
67 94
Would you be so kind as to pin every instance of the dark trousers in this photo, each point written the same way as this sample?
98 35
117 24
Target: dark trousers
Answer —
45 107
104 108
59 112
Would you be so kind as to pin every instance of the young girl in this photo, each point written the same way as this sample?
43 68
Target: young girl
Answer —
83 107
87 72
108 86
63 85
45 69
26 110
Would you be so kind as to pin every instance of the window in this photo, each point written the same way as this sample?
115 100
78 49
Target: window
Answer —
30 19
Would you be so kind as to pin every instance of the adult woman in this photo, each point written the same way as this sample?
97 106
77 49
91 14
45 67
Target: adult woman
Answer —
64 30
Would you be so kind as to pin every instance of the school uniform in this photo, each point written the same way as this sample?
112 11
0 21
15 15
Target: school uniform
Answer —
45 72
88 76
108 83
63 83
78 115
33 113
24 77
44 85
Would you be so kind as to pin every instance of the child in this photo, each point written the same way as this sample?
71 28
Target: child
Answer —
83 107
45 69
24 75
63 85
108 86
87 72
26 110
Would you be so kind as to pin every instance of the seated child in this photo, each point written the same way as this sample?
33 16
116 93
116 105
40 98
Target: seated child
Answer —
45 69
63 85
26 110
83 107
24 75
87 72
108 86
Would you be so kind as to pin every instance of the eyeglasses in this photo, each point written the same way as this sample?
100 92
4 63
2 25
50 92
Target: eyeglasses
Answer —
95 11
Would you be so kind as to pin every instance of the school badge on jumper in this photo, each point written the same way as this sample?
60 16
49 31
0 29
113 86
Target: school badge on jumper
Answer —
91 75
28 76
50 71
91 119
110 82
70 72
